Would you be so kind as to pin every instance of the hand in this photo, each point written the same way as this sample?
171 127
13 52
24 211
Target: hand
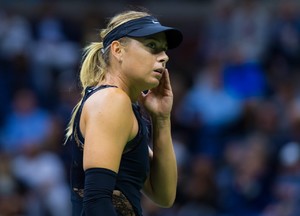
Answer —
159 100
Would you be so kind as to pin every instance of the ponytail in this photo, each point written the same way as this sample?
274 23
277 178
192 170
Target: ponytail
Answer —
92 71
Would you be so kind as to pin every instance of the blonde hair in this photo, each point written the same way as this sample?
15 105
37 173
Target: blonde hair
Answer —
96 60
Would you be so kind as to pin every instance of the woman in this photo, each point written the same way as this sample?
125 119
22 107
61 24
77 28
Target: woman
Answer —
112 161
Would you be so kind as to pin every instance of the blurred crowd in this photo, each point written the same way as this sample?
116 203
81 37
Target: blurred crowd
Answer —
236 115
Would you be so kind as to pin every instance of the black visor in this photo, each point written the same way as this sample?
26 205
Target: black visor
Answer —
143 27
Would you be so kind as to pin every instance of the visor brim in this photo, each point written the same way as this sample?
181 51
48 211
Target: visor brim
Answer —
174 36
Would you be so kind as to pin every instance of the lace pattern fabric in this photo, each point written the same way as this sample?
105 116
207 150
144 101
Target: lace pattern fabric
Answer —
121 204
119 200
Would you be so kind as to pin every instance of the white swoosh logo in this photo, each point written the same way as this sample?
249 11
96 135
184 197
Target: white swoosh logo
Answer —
155 22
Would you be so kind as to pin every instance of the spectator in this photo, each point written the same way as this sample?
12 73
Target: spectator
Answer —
43 174
27 123
207 109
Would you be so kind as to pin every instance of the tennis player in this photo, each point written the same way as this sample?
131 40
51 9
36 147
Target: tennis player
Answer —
125 108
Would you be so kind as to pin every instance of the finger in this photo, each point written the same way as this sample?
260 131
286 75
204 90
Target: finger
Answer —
164 83
167 82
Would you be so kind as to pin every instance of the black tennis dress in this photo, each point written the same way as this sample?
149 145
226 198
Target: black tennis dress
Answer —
133 170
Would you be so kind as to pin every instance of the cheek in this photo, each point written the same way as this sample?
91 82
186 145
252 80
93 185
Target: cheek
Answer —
140 61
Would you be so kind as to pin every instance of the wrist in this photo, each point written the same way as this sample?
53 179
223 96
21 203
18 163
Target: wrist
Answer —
161 121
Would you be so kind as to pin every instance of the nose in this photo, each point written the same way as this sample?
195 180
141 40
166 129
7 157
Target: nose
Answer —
163 58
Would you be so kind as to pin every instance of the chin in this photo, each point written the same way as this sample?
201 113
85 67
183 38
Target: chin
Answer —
153 85
150 84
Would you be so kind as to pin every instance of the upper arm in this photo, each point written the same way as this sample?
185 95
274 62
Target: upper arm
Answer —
107 122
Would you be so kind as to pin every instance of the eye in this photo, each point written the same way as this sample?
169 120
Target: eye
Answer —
152 45
156 47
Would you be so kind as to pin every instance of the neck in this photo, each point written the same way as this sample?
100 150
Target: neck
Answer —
116 80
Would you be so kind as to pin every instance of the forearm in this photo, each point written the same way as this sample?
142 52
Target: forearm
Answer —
163 176
98 189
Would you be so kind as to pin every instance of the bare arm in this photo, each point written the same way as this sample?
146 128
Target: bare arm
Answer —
106 114
162 181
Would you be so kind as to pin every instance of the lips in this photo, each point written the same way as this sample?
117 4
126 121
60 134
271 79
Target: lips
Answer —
159 70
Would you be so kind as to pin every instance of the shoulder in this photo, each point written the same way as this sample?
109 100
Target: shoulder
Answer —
109 103
106 97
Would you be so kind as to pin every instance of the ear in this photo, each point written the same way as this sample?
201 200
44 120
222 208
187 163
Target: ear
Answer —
116 50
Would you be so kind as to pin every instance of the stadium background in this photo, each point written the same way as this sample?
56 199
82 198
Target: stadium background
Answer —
236 116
